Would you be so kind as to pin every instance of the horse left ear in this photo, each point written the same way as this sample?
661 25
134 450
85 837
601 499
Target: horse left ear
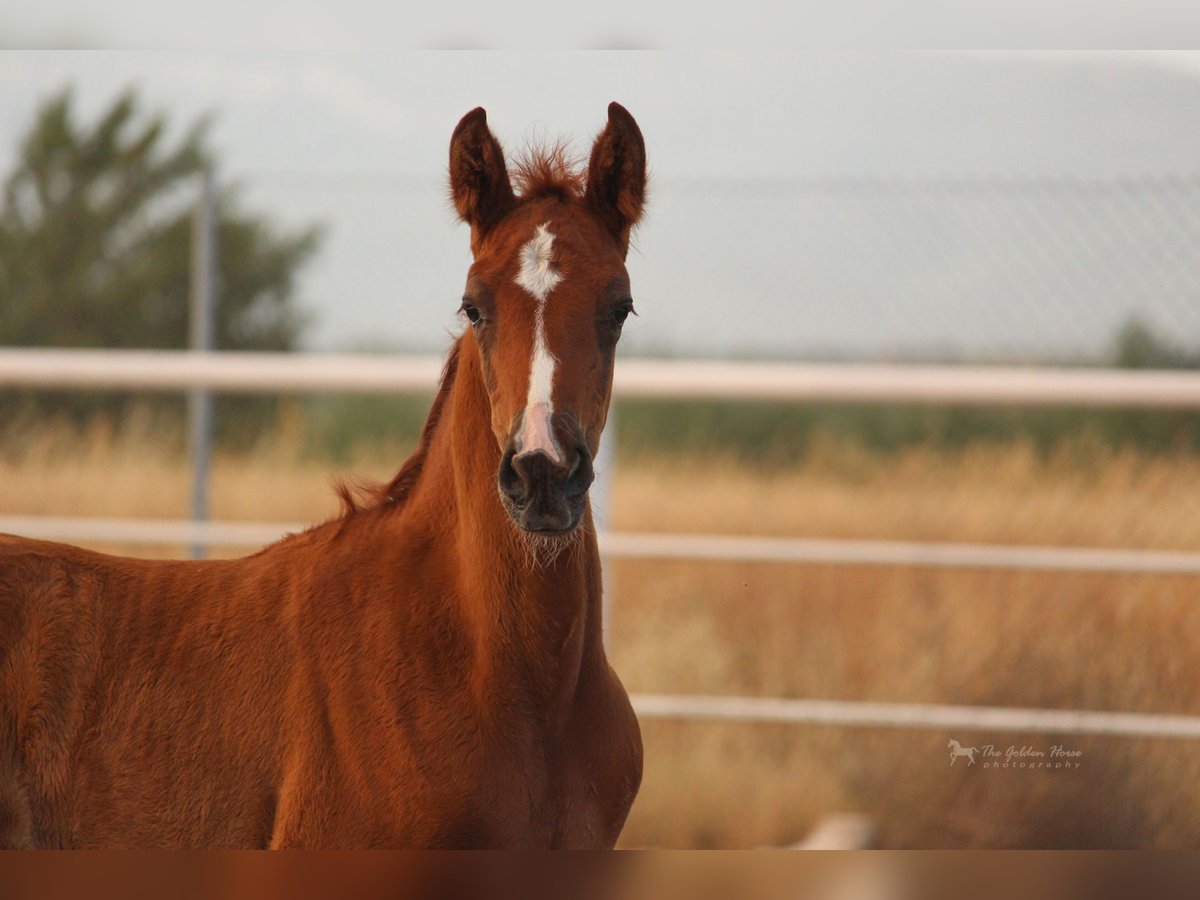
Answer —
479 183
616 186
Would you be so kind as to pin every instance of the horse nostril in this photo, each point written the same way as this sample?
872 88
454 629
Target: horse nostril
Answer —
522 476
512 479
580 477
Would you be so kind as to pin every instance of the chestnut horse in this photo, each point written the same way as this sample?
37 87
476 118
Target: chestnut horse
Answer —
427 669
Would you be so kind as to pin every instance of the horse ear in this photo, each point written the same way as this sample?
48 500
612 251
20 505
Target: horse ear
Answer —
479 182
616 186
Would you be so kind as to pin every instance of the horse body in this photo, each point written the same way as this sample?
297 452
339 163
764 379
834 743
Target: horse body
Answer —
314 695
415 673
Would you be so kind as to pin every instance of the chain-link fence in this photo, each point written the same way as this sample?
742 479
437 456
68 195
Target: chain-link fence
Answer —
995 268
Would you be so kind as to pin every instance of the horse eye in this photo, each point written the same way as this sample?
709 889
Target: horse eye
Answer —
473 315
621 313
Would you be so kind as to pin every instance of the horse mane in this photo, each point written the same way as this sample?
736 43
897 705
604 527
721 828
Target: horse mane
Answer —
362 496
548 170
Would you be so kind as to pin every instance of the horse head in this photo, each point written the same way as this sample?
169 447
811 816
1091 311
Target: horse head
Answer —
545 299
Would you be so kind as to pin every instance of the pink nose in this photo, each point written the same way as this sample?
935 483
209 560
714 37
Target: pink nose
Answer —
537 433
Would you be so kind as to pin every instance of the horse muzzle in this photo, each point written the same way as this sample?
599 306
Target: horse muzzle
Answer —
544 490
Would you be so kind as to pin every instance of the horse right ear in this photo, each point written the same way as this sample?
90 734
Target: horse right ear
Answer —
616 183
479 182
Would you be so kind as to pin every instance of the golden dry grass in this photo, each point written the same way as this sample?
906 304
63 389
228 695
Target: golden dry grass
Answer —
1117 642
1120 642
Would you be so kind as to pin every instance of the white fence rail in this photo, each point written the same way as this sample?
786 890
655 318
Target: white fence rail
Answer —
650 545
860 383
986 386
865 714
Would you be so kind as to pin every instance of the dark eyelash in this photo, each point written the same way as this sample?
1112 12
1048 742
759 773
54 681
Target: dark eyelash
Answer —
622 312
474 316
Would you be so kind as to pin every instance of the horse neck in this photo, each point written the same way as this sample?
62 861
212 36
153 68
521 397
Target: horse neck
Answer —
538 609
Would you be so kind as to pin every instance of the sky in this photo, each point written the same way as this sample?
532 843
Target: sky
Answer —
357 141
799 25
716 113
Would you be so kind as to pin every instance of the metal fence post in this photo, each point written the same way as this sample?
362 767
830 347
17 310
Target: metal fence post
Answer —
202 325
602 493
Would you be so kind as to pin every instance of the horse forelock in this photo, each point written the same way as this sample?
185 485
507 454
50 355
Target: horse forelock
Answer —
548 170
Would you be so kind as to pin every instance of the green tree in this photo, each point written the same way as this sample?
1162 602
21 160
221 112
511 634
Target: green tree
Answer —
1137 346
95 243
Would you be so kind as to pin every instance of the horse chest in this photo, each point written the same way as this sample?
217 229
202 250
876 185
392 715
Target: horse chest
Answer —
572 785
458 780
526 782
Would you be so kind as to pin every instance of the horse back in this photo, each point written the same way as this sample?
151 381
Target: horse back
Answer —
48 657
126 716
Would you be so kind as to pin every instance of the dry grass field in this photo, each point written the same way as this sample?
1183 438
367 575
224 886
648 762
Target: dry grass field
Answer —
1111 642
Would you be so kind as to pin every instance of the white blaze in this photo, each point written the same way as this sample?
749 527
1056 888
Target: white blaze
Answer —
538 277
